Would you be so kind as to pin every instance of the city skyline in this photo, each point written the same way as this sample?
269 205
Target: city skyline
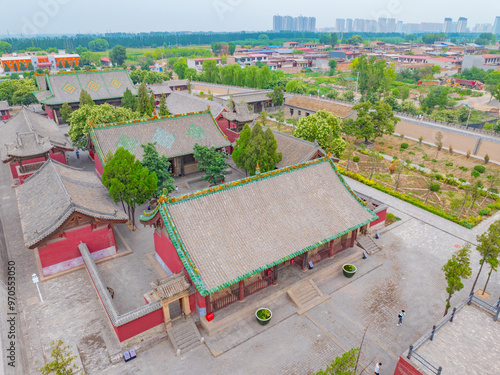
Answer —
58 16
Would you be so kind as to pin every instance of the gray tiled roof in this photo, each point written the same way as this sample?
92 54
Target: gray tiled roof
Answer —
240 113
295 150
240 230
56 191
314 104
27 121
250 97
28 144
160 88
174 136
4 105
181 102
41 81
102 84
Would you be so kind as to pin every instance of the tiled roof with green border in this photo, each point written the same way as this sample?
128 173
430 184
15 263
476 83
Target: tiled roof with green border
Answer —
175 135
232 231
102 84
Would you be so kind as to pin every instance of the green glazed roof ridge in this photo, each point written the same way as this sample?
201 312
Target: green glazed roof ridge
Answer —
149 215
76 72
105 84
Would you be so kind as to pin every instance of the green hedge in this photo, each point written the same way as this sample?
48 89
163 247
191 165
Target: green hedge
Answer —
468 223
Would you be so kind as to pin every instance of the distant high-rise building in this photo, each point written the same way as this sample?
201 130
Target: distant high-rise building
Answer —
349 25
496 26
399 27
382 25
340 24
391 25
359 25
447 25
288 23
432 27
462 25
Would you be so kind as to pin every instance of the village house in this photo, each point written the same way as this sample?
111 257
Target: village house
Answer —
300 106
19 62
60 207
283 218
104 86
4 110
174 135
28 140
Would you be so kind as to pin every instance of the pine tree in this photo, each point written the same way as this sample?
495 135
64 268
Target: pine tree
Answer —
65 112
129 100
163 106
85 99
144 101
212 162
160 165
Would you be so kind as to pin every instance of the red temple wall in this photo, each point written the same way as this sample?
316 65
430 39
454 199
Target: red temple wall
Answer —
98 165
224 126
6 116
166 251
139 325
48 109
58 156
381 217
405 368
66 248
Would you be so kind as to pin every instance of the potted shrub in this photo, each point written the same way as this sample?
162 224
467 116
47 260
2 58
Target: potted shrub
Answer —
349 270
263 316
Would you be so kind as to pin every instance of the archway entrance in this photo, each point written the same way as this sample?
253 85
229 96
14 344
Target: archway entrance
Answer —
173 292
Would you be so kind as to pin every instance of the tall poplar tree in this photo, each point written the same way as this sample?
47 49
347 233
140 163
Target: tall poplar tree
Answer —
456 269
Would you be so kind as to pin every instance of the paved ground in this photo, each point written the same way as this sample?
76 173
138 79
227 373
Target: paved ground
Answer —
471 324
404 275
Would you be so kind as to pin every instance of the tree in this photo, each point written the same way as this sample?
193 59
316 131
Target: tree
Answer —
374 159
98 45
328 39
375 76
66 112
348 96
400 166
118 55
163 106
97 114
373 121
231 48
277 96
256 147
212 162
262 119
180 67
296 86
439 142
62 360
325 128
496 127
493 180
489 249
30 66
5 47
343 365
355 39
280 118
144 106
85 99
18 91
6 69
333 65
456 269
496 92
404 92
160 166
129 100
211 71
216 47
128 181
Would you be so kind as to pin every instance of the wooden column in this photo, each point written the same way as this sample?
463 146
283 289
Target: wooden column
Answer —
353 237
166 315
330 249
306 258
275 276
241 291
185 305
208 305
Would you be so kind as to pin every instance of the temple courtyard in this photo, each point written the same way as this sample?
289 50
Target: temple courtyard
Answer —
404 274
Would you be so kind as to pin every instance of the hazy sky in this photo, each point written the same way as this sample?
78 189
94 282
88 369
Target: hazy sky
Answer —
84 16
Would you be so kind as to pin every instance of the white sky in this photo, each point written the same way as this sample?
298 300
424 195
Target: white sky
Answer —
85 16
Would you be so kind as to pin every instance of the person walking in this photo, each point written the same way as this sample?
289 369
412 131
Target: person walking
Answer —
377 368
401 316
77 154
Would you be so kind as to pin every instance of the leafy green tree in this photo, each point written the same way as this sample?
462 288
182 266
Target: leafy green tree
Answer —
216 47
296 86
342 365
438 96
231 48
144 106
97 114
160 165
325 128
51 50
66 112
375 76
374 159
118 55
18 91
85 99
163 106
333 65
180 67
210 71
456 269
355 39
348 96
404 92
372 121
256 146
98 45
128 181
30 66
392 101
191 73
212 162
5 47
6 69
62 361
129 100
329 39
277 96
489 250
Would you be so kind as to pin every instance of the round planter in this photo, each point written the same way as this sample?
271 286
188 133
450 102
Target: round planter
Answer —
347 272
263 321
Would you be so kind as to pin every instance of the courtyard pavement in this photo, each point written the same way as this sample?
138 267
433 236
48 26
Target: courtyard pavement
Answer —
405 274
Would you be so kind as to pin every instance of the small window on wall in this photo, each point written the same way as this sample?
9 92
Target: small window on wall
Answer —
300 113
189 159
291 111
307 114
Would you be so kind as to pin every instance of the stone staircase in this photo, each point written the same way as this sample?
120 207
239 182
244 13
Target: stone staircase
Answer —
368 244
184 335
306 295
